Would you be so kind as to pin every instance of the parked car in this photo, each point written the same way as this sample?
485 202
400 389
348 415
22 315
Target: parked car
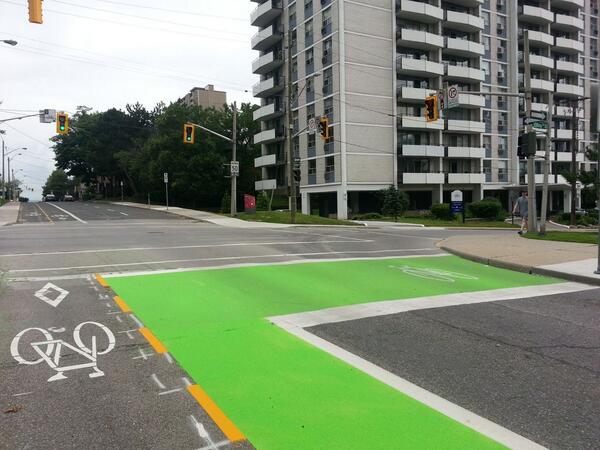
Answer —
68 198
23 199
50 198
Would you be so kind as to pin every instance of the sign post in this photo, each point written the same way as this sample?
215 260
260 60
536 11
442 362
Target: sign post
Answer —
166 178
452 97
457 204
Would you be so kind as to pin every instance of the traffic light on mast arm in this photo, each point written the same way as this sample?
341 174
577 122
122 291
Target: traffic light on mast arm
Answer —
62 123
189 133
324 127
432 112
35 11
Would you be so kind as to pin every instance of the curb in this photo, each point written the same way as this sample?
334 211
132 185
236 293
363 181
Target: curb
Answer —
532 270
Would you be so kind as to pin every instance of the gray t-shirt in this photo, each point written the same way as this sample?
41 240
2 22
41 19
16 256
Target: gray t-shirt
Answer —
523 205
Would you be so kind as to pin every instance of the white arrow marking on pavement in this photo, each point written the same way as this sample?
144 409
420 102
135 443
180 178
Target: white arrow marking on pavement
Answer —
49 287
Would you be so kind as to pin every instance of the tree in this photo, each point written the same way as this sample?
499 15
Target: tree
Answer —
394 202
58 183
588 178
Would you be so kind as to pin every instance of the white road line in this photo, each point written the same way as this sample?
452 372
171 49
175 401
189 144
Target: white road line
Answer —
384 308
125 214
111 210
203 433
137 322
22 393
277 263
67 212
143 355
179 247
157 381
294 323
216 445
186 382
168 357
128 332
171 391
224 258
119 319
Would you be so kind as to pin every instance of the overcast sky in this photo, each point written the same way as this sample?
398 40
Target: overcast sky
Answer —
107 53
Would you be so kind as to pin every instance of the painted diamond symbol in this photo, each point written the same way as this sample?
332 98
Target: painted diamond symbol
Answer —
48 289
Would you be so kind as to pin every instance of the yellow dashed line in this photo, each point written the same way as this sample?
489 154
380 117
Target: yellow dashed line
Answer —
153 340
102 281
124 306
227 426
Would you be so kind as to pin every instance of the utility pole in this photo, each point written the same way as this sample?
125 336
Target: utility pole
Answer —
597 272
233 158
543 219
531 158
3 179
574 149
290 152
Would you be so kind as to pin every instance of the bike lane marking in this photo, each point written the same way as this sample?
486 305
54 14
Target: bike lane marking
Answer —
276 383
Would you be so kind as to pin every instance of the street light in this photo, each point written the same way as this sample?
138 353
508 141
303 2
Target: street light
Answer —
9 42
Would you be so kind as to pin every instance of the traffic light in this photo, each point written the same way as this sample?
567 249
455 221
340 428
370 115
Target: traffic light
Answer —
527 144
189 133
35 11
324 127
62 123
431 108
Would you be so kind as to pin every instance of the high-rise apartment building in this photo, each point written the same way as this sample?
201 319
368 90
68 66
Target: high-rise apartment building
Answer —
368 65
206 97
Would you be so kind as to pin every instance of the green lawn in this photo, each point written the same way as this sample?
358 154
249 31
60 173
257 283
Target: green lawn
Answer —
284 217
283 393
581 237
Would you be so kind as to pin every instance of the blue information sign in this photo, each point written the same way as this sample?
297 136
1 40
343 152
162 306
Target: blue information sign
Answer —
457 207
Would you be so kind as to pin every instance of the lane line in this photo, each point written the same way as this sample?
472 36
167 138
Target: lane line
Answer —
172 391
179 247
277 263
225 258
455 412
125 214
216 445
231 432
387 307
124 306
22 393
101 281
153 340
44 213
67 212
157 381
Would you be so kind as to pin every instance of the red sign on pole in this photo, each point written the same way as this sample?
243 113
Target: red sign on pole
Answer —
249 203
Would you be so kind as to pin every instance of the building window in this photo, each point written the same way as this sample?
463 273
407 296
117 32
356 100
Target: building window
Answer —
329 164
327 52
308 33
310 112
310 61
311 141
326 26
328 108
327 81
312 167
308 8
292 13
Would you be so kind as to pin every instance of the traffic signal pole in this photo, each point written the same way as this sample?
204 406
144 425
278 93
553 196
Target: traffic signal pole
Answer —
544 213
532 219
290 152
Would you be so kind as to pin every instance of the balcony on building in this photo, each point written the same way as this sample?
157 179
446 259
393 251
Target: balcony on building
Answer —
539 61
266 63
466 152
572 5
465 126
420 11
552 179
266 13
471 100
265 160
422 178
431 151
463 21
413 95
265 185
566 45
266 88
466 178
420 123
539 107
266 38
268 112
569 90
463 73
463 47
567 23
419 67
535 14
569 67
268 136
566 134
566 156
538 37
419 39
567 111
538 85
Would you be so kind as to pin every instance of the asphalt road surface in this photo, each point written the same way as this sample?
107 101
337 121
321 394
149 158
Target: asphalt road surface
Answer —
540 384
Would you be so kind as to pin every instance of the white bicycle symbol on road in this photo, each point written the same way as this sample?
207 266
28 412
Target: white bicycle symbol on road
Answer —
49 350
434 274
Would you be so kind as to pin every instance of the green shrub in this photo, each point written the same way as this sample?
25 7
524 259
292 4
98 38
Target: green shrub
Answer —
441 211
488 208
367 216
395 202
262 202
226 203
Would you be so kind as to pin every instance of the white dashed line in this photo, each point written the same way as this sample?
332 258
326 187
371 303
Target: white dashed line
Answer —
22 393
157 381
170 391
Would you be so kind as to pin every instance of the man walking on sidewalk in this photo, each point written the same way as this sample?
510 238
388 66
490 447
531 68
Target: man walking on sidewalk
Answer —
522 205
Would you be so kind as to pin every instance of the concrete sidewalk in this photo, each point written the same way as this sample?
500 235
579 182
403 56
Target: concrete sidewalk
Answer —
9 213
570 261
204 216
